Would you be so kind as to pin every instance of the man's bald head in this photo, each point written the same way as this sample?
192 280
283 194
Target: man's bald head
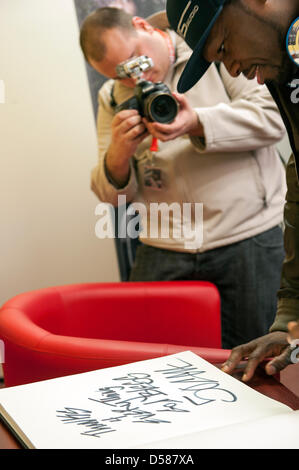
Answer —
102 19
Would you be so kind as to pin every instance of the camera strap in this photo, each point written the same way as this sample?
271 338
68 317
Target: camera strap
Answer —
155 145
150 153
113 103
169 43
152 174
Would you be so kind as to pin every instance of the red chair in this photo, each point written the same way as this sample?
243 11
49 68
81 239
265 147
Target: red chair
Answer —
77 328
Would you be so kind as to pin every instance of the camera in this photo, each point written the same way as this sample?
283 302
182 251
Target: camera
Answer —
152 100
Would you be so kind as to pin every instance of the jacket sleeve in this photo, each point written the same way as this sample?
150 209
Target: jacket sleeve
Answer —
288 295
250 121
101 184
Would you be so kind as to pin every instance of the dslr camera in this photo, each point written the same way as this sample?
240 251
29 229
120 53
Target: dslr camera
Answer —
152 100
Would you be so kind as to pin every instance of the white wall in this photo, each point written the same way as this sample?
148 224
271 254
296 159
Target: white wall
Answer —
47 149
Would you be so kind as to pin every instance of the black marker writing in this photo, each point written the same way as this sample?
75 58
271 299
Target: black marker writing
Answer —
186 373
83 418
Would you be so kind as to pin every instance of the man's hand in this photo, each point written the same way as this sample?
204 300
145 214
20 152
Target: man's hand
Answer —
186 122
272 345
127 132
293 328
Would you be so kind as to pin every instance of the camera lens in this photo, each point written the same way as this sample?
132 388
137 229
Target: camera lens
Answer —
161 107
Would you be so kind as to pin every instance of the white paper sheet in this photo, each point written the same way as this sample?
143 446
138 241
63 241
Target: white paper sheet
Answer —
135 405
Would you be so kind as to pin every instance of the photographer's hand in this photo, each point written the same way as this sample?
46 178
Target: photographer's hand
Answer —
186 122
293 328
127 132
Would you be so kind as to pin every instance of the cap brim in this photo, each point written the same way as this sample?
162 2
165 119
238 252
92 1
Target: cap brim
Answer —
196 65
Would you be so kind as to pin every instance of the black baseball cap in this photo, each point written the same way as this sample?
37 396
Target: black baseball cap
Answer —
193 21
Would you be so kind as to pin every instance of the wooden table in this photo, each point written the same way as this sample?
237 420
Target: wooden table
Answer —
261 382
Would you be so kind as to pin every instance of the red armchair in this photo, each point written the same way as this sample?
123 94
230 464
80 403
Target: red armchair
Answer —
71 329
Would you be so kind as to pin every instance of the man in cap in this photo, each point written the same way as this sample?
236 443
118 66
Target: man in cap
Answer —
251 37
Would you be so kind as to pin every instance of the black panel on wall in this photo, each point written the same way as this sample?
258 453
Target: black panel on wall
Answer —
125 247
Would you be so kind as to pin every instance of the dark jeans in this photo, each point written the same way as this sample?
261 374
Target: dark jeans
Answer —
247 275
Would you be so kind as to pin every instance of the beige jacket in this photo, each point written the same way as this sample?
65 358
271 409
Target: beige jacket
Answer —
236 173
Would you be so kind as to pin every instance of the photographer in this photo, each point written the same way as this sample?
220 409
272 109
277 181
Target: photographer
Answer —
218 151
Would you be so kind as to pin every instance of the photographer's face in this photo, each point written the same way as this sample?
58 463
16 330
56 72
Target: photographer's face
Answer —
249 42
123 45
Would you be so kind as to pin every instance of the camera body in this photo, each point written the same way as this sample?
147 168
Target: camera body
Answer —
152 100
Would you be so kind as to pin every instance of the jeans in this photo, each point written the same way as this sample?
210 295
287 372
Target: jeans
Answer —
247 275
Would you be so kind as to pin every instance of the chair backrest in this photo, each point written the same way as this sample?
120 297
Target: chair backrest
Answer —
107 323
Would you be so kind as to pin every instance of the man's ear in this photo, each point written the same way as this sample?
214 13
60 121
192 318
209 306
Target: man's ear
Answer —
141 23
